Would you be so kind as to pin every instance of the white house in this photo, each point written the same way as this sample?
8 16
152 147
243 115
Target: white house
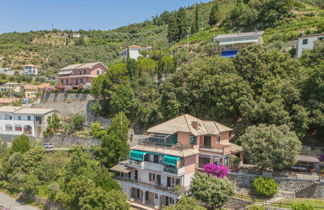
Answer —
308 42
19 120
230 44
134 51
30 69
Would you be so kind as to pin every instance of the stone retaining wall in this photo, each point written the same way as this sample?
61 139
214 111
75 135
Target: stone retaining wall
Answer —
68 141
287 186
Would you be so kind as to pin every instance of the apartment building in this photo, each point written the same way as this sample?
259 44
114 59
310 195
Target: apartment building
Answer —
230 44
16 120
80 74
166 160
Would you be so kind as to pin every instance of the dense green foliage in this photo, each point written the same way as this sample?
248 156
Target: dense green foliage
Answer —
302 206
20 144
271 146
264 187
185 202
114 146
74 180
210 190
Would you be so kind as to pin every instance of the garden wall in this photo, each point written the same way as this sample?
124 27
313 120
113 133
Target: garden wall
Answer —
68 141
287 186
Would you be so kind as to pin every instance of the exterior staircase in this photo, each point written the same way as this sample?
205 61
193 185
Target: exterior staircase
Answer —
306 191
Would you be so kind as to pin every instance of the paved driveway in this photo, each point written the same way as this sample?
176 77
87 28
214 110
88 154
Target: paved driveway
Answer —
13 204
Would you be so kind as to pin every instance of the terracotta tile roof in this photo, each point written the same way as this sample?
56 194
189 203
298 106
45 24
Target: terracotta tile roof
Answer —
35 87
166 150
189 124
8 100
80 66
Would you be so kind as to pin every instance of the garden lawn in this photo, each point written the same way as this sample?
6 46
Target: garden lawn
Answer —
317 203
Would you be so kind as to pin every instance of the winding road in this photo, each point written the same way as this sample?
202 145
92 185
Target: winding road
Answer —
10 203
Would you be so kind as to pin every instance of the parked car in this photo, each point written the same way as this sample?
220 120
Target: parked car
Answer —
48 145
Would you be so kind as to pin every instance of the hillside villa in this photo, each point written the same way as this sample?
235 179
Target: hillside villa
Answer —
19 120
134 51
230 44
308 42
170 155
80 74
30 69
8 87
30 91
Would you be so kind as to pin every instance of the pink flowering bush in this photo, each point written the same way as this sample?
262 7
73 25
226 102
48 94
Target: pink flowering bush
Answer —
215 170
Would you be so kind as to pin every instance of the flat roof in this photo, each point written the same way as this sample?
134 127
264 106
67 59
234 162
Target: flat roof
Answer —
312 35
237 35
23 110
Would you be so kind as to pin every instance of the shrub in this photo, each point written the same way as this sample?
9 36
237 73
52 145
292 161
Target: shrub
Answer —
216 170
256 207
265 187
20 144
302 206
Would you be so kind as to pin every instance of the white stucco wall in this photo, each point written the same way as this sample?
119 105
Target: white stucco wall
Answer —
309 45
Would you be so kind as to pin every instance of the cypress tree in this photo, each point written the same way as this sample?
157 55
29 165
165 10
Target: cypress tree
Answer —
182 24
213 17
195 24
172 29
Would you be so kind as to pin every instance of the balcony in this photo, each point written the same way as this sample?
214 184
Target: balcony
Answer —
153 166
170 170
136 164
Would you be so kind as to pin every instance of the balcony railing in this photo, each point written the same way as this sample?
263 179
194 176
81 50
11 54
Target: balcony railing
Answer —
170 170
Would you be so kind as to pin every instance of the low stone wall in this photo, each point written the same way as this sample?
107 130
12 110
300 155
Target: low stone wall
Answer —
68 141
287 186
236 203
10 138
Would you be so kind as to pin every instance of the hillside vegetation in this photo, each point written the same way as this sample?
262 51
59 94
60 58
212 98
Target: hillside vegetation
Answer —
262 85
52 50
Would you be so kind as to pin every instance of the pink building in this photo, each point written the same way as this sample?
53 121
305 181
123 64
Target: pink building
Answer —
170 155
80 74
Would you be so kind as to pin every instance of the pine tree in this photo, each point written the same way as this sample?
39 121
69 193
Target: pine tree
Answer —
213 17
172 29
195 24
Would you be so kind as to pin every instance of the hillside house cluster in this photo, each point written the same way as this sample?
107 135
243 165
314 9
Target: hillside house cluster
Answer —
170 155
80 74
19 120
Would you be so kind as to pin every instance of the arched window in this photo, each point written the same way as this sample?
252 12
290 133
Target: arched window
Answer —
8 127
27 130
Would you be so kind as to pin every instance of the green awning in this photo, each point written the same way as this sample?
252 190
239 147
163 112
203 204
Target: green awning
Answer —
170 160
136 155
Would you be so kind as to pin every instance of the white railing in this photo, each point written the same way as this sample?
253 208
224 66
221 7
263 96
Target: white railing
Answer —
153 166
